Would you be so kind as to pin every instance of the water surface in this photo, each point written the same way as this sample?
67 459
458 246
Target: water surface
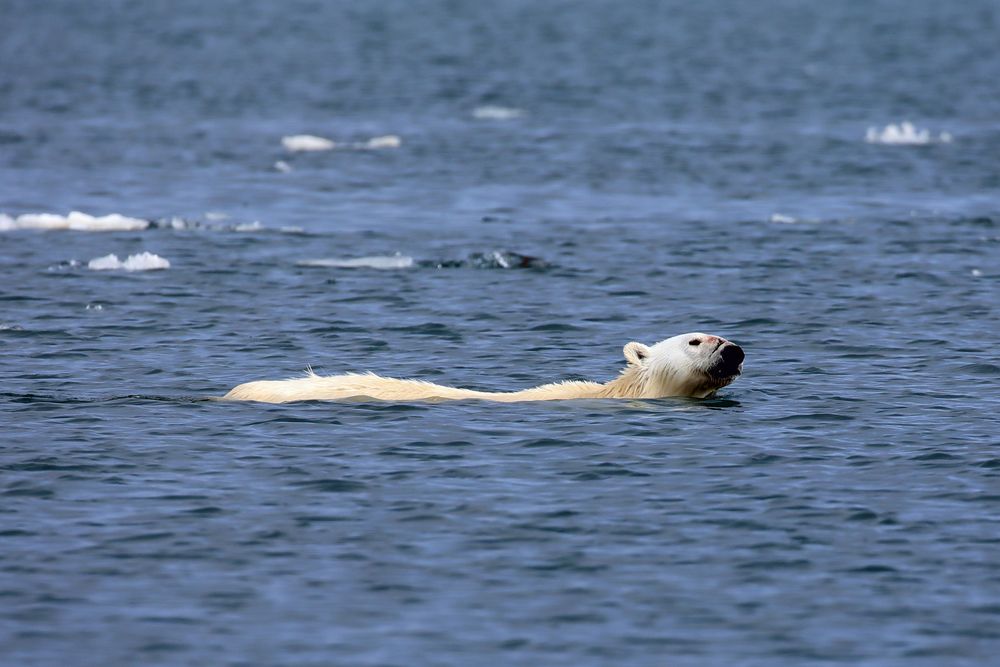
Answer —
570 177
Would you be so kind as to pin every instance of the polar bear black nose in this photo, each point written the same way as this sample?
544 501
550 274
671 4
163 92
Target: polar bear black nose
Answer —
732 354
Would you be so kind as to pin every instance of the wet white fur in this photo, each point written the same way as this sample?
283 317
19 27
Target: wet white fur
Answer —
672 367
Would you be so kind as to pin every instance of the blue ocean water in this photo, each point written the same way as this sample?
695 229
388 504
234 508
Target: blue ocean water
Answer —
818 182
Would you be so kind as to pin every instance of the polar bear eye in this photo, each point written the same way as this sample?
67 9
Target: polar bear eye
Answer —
694 341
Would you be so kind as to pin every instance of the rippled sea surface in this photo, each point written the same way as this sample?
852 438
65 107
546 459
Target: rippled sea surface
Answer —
566 177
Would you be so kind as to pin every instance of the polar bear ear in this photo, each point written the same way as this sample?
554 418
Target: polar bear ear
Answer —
636 353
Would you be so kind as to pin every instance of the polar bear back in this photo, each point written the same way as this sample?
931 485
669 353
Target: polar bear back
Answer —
333 387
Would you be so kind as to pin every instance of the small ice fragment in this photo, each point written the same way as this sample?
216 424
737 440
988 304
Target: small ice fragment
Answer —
306 142
495 112
783 219
384 141
144 261
105 263
282 166
904 134
373 262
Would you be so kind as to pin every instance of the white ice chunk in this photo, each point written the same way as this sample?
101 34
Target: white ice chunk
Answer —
144 261
75 221
306 142
495 112
384 141
904 134
373 262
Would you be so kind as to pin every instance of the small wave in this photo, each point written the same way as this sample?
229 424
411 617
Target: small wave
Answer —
373 262
497 259
65 265
495 112
144 261
298 143
282 166
75 221
904 134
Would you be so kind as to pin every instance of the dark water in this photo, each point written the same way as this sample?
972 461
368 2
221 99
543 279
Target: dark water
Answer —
672 168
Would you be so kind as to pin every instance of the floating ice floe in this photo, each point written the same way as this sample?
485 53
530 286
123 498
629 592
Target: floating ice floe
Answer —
904 134
75 221
144 261
494 112
384 141
373 262
299 143
282 166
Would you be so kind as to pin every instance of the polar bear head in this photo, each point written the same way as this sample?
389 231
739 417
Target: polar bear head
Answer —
692 364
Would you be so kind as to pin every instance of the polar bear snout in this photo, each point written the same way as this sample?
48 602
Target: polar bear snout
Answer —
732 354
729 362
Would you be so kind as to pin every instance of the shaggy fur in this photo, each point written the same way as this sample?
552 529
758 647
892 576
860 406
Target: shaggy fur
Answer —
693 364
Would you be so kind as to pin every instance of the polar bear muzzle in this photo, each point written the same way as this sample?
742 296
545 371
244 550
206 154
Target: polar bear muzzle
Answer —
729 361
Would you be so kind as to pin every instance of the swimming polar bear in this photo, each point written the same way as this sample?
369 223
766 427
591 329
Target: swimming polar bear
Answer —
693 364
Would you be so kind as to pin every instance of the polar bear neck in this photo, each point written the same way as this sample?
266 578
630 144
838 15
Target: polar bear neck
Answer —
645 382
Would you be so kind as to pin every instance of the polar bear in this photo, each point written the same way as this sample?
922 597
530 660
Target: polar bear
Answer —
693 364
